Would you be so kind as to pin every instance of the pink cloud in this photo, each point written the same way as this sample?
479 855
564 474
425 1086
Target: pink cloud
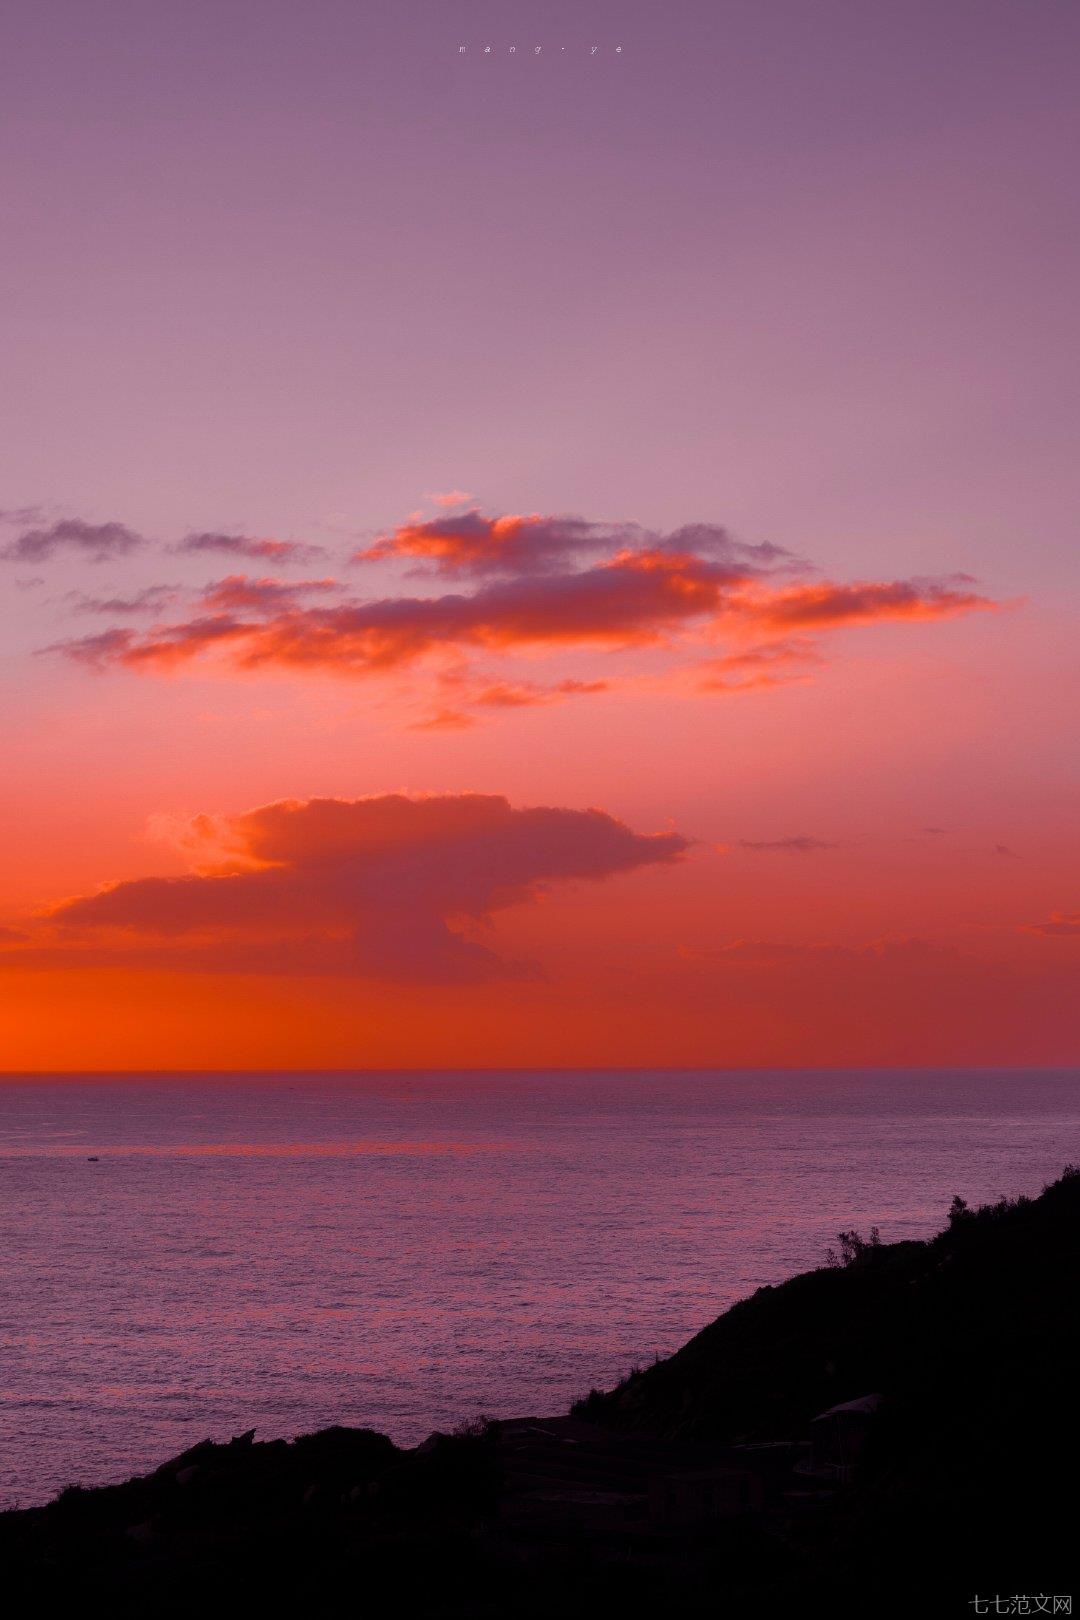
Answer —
452 497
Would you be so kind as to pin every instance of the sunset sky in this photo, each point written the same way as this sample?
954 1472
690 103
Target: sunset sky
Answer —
560 557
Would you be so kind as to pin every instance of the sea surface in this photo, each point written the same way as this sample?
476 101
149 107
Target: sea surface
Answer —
199 1255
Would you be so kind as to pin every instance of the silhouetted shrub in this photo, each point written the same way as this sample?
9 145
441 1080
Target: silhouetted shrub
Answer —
854 1248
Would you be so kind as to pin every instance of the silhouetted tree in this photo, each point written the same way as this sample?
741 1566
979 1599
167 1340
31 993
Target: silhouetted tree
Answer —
854 1247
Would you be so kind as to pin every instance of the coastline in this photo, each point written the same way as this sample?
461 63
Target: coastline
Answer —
788 1447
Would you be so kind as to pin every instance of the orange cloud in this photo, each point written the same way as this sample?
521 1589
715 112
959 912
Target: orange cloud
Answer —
451 497
548 585
238 593
1060 925
379 888
825 605
470 543
636 599
776 663
445 720
478 692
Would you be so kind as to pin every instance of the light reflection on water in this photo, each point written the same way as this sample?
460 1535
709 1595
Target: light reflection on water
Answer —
407 1250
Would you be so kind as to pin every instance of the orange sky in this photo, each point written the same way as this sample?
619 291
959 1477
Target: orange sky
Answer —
827 852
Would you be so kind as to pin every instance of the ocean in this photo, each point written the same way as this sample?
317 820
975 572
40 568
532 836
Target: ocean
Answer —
197 1255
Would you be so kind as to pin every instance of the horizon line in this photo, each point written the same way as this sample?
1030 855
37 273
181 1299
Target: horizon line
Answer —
550 1068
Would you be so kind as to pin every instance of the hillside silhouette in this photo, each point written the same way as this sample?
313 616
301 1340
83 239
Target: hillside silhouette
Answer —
894 1432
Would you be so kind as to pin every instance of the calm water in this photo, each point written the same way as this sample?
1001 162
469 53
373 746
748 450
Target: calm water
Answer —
406 1251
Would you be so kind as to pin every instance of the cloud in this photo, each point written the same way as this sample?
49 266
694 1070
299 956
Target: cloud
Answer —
96 651
392 887
121 645
479 693
634 600
98 542
452 497
888 952
1004 851
825 605
535 584
238 593
525 694
470 543
799 845
242 545
776 663
1061 925
445 720
21 516
150 600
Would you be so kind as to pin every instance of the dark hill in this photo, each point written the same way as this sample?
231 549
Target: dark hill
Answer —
967 1476
703 1485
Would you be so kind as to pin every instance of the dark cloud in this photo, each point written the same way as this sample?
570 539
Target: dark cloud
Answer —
243 545
389 887
152 599
98 542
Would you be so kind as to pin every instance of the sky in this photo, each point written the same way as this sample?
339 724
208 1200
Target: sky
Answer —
562 554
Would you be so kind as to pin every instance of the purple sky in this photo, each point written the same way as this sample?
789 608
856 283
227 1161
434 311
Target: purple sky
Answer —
808 268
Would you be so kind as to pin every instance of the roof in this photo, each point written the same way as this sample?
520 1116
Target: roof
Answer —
865 1404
